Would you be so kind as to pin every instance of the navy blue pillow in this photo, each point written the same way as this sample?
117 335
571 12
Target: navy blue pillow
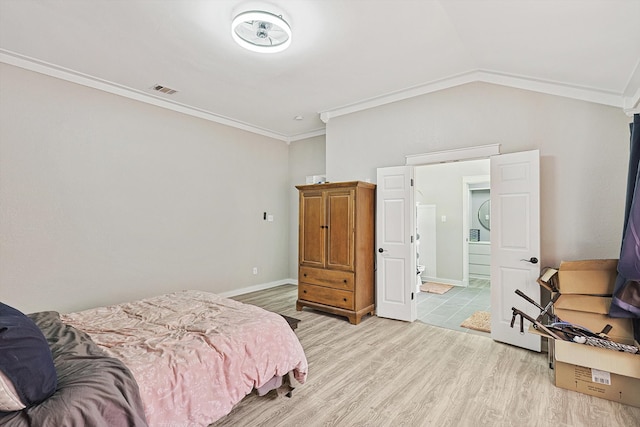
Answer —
25 357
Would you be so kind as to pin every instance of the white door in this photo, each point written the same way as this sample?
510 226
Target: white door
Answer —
395 245
515 242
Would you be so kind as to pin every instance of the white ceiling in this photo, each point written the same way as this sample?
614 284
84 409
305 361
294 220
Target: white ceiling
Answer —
346 55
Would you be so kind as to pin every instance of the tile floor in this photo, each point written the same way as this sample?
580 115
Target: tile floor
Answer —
450 309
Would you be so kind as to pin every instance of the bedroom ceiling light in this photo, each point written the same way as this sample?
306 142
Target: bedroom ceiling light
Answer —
261 31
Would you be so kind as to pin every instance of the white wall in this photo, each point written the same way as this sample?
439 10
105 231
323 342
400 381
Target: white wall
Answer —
583 148
105 199
306 158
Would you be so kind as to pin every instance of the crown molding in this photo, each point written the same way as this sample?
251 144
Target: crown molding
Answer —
311 134
630 104
486 76
42 67
378 101
632 100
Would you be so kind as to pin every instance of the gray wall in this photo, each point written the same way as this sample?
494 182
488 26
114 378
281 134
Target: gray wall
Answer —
583 148
105 199
306 158
441 185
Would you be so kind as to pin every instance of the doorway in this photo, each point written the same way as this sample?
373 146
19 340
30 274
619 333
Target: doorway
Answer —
457 279
515 236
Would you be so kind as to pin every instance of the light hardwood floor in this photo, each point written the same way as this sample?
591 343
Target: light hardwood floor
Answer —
389 373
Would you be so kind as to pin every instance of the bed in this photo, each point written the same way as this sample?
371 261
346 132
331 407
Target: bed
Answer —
184 358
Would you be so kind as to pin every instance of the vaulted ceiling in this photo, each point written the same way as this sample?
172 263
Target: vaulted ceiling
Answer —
345 56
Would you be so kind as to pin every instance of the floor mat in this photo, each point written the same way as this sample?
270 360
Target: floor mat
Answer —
479 321
435 288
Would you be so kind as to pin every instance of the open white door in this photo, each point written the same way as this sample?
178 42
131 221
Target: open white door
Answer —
395 244
515 244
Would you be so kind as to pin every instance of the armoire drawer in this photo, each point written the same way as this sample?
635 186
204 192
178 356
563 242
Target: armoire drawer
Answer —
329 278
324 295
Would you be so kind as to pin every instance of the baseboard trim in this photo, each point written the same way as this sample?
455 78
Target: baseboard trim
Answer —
258 287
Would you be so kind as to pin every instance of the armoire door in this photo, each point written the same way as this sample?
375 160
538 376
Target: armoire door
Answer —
340 214
312 231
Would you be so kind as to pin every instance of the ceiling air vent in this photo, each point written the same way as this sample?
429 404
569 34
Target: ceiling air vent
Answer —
163 89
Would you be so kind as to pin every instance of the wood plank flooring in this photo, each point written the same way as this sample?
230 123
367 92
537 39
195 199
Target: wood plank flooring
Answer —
389 373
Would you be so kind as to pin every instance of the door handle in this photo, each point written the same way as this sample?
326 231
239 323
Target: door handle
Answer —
532 260
380 250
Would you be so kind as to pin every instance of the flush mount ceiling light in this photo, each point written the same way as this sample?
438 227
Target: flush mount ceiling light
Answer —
261 31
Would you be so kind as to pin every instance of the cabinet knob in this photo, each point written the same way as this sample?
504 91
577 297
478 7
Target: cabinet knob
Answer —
344 299
305 274
345 280
304 292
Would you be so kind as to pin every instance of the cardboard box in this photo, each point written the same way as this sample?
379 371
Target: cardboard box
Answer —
598 383
592 312
611 375
549 279
589 277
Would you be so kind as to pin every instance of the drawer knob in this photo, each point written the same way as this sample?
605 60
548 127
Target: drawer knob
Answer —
304 292
344 299
305 274
345 280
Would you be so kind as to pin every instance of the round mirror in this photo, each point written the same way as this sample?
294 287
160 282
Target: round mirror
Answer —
484 214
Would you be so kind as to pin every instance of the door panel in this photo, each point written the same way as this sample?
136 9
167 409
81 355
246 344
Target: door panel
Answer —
312 233
396 255
394 271
515 238
516 234
340 231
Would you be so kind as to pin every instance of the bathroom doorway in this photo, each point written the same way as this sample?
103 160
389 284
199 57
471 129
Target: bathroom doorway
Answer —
453 248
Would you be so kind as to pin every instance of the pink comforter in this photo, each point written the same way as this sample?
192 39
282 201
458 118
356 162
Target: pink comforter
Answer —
194 354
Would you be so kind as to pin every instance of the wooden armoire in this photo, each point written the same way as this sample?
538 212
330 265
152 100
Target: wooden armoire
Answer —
336 248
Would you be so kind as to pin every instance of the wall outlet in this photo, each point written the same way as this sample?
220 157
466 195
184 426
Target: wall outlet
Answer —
255 270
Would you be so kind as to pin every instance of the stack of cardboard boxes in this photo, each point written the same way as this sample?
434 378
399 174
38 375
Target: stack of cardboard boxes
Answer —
585 289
